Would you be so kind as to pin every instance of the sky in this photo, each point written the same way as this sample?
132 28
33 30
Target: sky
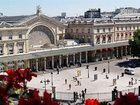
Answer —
55 7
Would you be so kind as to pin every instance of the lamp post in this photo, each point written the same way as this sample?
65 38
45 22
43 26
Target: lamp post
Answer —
53 87
108 67
45 82
52 79
88 72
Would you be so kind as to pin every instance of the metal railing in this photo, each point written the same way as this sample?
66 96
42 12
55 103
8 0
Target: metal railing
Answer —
105 96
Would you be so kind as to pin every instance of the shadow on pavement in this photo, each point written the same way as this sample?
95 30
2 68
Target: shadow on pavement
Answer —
129 63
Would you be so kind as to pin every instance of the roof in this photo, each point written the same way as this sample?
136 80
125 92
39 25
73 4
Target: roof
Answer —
125 15
20 20
15 19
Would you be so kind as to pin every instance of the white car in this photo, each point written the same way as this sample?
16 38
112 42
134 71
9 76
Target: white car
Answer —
129 71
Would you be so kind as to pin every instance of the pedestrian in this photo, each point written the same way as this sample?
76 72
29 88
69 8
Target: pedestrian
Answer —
104 70
95 68
80 95
57 70
135 81
76 95
117 76
129 83
83 95
107 77
87 66
85 90
78 82
69 86
65 81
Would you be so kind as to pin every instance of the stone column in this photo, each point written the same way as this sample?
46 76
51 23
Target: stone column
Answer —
37 64
117 52
101 57
26 64
112 53
122 51
15 48
67 60
5 49
74 59
5 66
45 63
52 62
16 65
24 48
80 57
86 56
60 60
125 50
130 50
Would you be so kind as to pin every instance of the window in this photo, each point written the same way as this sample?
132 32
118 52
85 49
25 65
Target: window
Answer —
109 29
77 30
121 28
134 27
10 49
103 29
88 30
0 37
71 30
121 35
130 35
117 36
118 28
20 47
98 40
109 38
98 30
20 35
82 30
126 28
1 50
10 35
130 27
125 35
104 39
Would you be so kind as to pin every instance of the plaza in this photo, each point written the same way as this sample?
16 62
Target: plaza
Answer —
101 86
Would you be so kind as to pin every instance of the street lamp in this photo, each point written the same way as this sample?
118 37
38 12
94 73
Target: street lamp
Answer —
53 87
88 72
108 67
52 78
45 82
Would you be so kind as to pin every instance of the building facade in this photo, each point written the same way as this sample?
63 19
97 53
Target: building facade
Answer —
93 13
32 41
109 37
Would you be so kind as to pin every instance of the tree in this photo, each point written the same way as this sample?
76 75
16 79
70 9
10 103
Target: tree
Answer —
135 43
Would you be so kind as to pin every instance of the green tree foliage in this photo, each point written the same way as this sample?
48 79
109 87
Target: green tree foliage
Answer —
135 43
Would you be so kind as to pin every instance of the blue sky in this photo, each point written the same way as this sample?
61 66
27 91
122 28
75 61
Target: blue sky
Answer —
55 7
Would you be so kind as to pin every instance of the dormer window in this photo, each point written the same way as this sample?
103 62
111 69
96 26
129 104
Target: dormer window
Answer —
10 35
20 35
0 36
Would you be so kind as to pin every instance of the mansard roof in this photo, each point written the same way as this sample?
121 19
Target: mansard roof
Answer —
20 20
15 19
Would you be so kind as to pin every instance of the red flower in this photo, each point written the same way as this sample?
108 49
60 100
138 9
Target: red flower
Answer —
91 102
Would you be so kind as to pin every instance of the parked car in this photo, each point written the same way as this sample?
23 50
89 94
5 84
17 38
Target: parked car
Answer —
129 71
